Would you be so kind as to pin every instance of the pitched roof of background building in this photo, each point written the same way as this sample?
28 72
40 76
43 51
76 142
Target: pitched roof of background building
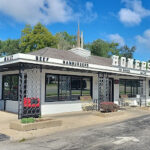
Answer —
68 55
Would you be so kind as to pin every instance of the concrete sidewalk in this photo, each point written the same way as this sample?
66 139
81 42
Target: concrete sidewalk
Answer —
69 121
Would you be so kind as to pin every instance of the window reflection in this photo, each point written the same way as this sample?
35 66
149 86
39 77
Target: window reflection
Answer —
129 87
66 88
10 87
51 88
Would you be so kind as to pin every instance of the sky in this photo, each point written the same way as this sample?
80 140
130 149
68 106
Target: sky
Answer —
124 21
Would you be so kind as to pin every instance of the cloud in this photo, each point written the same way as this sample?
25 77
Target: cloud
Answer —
45 11
33 11
133 13
144 39
117 39
89 6
87 14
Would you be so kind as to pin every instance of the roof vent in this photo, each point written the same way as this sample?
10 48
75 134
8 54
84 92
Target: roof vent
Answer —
81 52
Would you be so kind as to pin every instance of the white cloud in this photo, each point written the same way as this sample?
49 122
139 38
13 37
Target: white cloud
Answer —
144 39
87 14
117 38
133 13
89 6
45 11
33 11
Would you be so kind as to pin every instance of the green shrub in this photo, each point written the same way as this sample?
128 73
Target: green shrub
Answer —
27 120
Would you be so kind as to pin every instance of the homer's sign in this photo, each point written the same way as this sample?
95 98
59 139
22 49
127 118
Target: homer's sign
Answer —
130 63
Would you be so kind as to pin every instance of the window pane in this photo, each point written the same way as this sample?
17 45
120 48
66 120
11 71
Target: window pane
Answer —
14 88
128 88
6 85
10 87
64 88
86 87
51 87
122 87
75 88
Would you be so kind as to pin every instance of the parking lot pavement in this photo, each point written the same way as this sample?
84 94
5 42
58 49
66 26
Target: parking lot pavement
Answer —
132 134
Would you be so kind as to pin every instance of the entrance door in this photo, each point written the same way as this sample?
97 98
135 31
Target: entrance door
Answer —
64 88
111 89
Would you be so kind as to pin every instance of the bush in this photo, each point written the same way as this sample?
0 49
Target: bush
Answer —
108 107
27 120
87 107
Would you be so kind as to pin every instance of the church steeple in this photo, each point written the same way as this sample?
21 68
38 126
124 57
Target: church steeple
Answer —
78 36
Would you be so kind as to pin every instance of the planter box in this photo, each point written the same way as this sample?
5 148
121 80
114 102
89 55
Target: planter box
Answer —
39 124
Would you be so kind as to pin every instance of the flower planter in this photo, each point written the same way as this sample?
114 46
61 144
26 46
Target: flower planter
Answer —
39 124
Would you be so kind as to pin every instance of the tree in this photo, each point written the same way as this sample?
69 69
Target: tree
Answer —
102 48
127 52
36 38
9 47
65 41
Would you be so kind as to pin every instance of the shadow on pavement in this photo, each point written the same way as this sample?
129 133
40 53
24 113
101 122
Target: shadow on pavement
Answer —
4 137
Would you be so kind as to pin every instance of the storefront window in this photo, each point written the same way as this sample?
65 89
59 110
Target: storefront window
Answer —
10 87
51 88
86 86
66 88
75 87
129 87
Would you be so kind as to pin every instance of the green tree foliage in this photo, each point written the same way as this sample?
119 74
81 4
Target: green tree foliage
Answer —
106 49
65 41
102 48
9 47
36 38
127 52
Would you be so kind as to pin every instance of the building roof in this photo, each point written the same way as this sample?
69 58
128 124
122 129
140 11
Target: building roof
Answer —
69 55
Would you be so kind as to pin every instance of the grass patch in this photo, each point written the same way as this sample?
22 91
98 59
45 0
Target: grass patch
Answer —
22 140
27 120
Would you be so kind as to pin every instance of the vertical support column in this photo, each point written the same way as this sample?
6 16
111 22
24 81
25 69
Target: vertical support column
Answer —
103 87
143 92
40 89
21 91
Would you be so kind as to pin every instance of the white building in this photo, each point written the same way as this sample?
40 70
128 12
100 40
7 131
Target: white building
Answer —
60 77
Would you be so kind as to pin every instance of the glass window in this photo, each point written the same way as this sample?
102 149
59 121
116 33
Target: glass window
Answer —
75 88
51 88
129 87
122 87
66 88
10 87
86 86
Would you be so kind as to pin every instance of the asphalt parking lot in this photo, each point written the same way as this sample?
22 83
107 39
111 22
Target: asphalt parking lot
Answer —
132 134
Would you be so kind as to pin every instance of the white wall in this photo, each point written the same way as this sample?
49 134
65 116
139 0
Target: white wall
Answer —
33 90
12 106
1 105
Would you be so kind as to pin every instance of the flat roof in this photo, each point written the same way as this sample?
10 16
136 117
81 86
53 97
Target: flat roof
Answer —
52 57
